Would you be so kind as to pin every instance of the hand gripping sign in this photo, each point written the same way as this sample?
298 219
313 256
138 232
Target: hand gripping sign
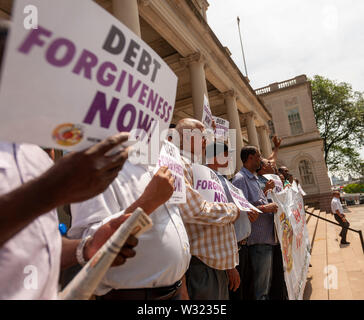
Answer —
86 281
278 185
171 158
80 77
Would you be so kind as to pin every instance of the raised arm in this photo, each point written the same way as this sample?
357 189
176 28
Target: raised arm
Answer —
277 143
76 177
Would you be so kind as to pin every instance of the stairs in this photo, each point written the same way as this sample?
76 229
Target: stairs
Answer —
343 266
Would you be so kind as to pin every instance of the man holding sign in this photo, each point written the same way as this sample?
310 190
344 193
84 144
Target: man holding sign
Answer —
209 224
240 282
262 238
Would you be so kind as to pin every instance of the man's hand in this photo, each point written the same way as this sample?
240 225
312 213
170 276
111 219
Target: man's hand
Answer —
79 176
271 207
276 141
157 192
253 215
103 234
234 279
269 186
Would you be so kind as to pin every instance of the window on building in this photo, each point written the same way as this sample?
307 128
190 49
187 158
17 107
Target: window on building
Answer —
295 121
306 173
271 128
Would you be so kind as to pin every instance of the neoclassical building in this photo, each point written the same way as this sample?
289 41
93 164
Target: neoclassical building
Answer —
179 32
293 119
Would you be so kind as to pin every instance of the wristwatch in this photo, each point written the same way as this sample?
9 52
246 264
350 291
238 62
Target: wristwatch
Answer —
79 251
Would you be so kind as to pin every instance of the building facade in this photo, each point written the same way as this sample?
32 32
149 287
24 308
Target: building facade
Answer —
178 31
293 120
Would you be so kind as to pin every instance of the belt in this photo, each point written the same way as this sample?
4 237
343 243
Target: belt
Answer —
162 293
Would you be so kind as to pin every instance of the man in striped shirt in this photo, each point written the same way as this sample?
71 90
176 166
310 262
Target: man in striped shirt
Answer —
209 226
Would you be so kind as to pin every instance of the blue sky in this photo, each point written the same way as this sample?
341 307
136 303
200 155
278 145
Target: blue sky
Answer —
286 38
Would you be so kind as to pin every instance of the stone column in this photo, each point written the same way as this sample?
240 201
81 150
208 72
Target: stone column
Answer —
234 122
127 12
266 148
196 63
252 131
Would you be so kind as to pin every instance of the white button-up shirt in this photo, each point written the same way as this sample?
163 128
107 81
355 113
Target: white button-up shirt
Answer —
162 254
29 261
336 205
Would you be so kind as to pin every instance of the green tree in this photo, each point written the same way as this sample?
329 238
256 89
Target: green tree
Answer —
354 188
339 113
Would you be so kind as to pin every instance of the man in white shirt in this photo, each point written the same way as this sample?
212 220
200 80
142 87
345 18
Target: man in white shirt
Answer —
163 253
31 187
338 212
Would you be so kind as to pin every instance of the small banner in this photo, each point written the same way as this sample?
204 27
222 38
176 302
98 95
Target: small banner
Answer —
292 232
171 158
222 129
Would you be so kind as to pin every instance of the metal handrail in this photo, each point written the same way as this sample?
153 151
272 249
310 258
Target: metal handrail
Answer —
357 231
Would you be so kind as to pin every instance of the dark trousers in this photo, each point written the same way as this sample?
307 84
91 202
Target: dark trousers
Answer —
206 283
278 289
246 289
344 225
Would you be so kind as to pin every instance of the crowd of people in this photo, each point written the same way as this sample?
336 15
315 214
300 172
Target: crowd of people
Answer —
197 250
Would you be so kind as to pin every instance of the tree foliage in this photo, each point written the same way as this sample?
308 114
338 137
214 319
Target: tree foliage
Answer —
339 113
354 188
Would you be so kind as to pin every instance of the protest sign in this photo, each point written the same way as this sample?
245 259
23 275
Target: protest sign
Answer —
278 185
238 196
208 184
206 113
222 128
171 158
69 84
292 232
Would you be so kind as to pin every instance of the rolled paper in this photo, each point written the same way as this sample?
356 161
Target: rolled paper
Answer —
86 281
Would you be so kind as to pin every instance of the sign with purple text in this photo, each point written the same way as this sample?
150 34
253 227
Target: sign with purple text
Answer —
171 158
222 128
207 117
241 202
278 185
208 184
80 77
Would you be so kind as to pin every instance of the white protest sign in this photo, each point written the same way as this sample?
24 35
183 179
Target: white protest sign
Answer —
278 185
222 128
208 184
80 77
171 158
206 113
292 232
238 196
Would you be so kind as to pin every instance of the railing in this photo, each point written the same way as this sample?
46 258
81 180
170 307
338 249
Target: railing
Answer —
357 231
281 85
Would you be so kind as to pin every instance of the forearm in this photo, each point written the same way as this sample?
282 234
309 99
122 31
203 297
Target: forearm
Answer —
21 206
68 257
273 156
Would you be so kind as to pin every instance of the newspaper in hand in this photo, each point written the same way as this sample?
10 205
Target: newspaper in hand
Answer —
86 281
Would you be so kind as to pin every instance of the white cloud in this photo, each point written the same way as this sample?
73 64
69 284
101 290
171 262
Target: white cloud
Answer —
285 38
